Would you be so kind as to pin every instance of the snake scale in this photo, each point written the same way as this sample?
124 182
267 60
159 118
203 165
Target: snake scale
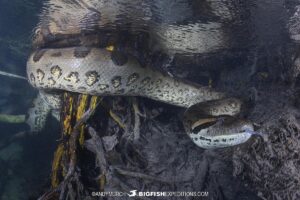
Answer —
75 65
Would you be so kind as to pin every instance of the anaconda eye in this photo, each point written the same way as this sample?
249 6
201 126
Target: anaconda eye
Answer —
202 124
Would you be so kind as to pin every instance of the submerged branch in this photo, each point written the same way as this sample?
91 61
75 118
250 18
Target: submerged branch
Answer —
14 119
12 75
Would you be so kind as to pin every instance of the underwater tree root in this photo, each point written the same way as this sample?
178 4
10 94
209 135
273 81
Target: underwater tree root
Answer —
137 121
65 182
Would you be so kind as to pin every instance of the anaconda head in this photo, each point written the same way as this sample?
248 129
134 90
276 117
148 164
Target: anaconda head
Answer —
219 135
210 132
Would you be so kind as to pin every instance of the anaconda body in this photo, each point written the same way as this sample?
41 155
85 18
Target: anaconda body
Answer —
68 58
93 71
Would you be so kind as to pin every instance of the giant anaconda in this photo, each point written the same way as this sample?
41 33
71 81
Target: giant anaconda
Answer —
60 64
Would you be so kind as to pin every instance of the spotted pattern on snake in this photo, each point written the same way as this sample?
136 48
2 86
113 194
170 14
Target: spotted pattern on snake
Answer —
58 65
43 105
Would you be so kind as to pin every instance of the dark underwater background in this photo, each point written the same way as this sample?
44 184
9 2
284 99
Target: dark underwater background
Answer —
25 164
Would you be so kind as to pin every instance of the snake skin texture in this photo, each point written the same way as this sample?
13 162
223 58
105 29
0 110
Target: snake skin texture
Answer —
68 57
92 71
43 105
37 114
